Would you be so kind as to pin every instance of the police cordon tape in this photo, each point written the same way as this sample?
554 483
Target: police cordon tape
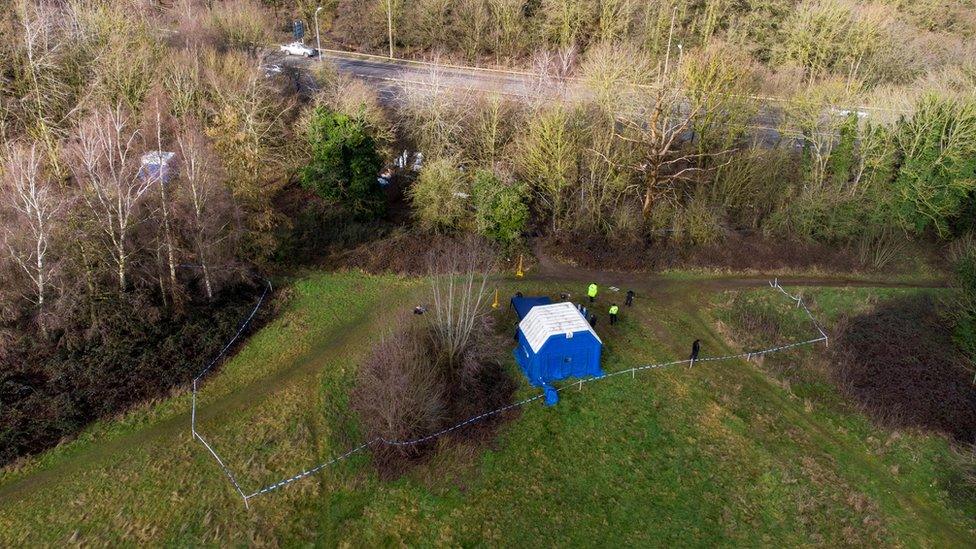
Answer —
196 381
748 355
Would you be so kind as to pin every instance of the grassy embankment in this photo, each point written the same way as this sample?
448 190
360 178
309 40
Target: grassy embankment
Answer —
721 454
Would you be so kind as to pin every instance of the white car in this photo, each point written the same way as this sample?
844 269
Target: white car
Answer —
297 48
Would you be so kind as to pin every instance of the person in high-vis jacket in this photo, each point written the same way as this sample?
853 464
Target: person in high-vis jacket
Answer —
591 292
613 313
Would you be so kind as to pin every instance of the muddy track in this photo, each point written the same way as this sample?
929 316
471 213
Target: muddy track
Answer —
551 269
650 285
114 448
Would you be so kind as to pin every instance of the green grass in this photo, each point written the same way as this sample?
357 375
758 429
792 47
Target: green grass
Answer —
727 453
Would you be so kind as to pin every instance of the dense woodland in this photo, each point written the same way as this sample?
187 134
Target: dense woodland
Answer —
850 125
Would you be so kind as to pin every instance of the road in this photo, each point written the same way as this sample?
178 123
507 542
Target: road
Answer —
392 77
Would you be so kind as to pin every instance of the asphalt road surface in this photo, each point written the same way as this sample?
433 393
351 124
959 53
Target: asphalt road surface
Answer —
392 77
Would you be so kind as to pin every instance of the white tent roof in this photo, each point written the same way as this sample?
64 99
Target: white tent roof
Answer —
544 321
157 158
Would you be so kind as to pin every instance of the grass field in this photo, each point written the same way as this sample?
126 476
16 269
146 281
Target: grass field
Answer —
727 453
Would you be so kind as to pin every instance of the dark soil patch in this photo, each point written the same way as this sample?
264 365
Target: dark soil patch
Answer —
312 228
899 363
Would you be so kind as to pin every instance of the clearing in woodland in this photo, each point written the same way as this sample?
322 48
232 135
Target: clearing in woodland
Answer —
725 453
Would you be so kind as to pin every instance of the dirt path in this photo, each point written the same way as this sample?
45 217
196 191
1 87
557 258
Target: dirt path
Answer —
109 449
549 268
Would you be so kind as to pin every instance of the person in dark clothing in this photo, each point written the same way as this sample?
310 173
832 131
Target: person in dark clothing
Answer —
593 321
419 310
695 349
630 298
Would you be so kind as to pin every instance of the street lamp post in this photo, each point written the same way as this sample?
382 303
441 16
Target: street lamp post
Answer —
667 55
389 24
318 41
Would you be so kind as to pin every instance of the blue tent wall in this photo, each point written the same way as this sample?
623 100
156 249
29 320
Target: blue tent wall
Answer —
559 358
523 305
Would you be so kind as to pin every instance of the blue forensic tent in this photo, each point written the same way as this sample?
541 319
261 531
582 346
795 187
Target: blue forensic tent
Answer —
556 342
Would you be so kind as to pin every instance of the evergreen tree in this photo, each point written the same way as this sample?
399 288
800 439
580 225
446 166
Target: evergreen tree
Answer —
344 164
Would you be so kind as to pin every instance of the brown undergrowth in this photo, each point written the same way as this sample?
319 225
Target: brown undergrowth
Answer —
406 390
736 252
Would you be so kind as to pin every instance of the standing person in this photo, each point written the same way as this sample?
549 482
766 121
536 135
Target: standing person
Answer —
591 292
592 321
613 313
630 298
695 349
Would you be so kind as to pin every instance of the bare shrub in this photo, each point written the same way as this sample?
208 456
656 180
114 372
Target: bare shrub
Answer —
402 394
878 251
482 383
399 397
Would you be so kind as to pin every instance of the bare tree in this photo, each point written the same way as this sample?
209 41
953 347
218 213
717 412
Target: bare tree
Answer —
459 287
508 27
105 162
28 192
435 112
815 116
247 130
612 73
720 80
547 154
564 21
615 19
659 133
43 97
161 178
204 200
488 128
